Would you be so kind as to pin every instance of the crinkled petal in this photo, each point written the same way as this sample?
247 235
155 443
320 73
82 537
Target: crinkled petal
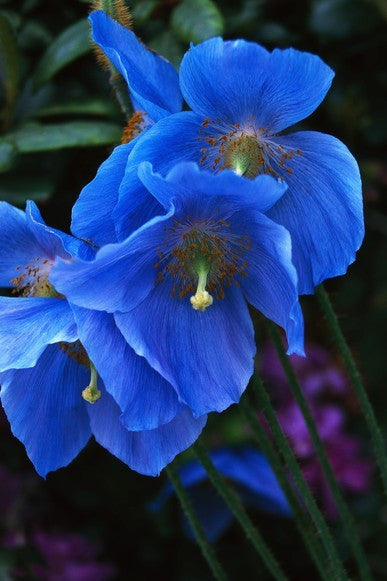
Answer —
186 180
28 325
207 356
240 82
323 207
19 243
55 242
153 82
149 451
146 399
46 411
92 212
121 275
171 140
271 281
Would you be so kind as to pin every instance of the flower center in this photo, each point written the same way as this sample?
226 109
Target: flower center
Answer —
32 281
201 257
244 154
247 150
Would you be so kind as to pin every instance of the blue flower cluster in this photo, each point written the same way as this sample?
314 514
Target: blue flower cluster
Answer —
137 326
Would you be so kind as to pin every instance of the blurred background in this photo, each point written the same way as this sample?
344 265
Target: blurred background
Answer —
96 520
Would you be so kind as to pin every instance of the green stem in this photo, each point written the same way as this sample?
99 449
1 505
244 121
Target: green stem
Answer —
206 548
301 517
121 92
235 505
353 372
300 482
342 507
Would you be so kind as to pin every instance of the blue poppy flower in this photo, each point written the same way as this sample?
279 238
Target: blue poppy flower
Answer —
52 352
178 286
241 96
252 476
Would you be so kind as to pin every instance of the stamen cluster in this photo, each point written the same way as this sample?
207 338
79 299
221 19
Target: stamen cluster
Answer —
190 246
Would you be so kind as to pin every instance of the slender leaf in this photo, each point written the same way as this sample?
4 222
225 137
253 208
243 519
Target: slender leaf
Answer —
36 137
80 107
68 46
9 67
8 155
196 20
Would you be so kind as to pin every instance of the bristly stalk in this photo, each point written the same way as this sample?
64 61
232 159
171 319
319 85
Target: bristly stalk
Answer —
334 562
342 507
117 10
354 374
234 503
301 516
207 550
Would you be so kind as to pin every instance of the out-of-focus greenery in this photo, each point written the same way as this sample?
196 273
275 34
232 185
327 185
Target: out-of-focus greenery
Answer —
59 121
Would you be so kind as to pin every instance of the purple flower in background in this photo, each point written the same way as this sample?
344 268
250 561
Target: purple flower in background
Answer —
323 382
69 557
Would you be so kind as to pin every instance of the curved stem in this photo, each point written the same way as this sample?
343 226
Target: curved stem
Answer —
353 372
302 519
300 482
342 507
235 505
207 550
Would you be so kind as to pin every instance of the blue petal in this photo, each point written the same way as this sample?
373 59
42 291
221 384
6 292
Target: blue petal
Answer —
252 472
20 242
152 80
240 82
120 277
322 209
271 281
212 512
149 451
207 356
55 242
28 325
186 180
173 139
92 212
45 409
145 398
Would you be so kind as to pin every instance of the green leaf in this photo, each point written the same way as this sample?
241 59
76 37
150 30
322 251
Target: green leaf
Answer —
9 67
17 190
142 10
80 107
35 137
8 155
196 20
70 45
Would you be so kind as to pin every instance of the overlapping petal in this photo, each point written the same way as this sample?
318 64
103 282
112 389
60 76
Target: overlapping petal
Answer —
146 399
152 80
323 207
186 180
271 281
147 452
207 356
120 277
45 409
92 212
240 82
28 325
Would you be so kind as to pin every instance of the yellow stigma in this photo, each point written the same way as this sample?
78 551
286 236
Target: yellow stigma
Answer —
91 393
202 298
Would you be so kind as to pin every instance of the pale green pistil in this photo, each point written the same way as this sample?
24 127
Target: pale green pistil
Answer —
202 298
91 393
